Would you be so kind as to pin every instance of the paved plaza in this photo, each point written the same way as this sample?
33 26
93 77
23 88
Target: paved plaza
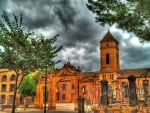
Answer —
37 111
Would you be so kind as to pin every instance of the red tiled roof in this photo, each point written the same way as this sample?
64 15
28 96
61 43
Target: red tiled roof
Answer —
89 76
143 72
108 38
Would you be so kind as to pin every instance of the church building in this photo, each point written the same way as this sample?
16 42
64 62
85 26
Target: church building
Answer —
109 85
67 83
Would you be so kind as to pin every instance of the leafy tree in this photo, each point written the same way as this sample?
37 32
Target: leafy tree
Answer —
28 86
130 15
23 52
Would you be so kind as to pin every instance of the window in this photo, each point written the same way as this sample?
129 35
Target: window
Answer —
10 99
117 59
125 88
103 76
84 89
107 58
3 88
12 78
3 99
12 87
4 78
112 77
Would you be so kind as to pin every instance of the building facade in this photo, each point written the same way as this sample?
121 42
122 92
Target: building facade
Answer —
109 85
7 86
68 82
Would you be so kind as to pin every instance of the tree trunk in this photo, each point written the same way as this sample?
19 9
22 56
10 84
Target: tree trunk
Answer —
14 97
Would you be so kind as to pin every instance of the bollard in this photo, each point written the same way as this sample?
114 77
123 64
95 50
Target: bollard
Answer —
80 104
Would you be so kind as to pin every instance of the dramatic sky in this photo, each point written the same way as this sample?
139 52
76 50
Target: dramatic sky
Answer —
79 33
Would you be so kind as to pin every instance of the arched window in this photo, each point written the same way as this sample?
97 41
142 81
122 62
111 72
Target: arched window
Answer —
12 78
3 88
84 89
4 78
3 99
107 58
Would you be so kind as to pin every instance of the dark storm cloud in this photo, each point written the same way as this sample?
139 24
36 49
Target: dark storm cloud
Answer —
79 34
43 13
64 16
36 14
135 57
132 55
65 13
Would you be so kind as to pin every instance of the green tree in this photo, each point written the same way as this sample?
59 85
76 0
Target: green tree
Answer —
23 52
130 15
28 86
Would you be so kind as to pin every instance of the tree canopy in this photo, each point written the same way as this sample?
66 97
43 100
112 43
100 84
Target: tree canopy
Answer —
22 51
28 86
130 15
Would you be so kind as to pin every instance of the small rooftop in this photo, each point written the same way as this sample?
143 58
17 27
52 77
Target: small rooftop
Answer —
108 38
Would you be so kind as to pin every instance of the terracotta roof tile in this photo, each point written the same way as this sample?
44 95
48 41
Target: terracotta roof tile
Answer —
108 38
88 76
136 72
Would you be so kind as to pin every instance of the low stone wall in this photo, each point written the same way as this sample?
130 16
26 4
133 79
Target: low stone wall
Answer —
122 109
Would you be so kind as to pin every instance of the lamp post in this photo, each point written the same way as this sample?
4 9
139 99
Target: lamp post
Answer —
45 89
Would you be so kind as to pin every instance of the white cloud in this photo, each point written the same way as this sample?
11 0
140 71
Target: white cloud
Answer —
135 41
47 32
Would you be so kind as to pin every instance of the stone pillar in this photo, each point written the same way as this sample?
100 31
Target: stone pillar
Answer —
49 95
104 92
145 86
80 104
132 91
53 95
76 95
41 97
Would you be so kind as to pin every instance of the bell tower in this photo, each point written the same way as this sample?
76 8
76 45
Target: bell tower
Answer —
110 67
109 56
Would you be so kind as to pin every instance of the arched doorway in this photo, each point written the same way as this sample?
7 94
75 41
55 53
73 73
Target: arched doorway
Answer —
65 95
65 91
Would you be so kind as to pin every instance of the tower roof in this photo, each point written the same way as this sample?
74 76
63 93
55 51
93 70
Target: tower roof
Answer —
108 38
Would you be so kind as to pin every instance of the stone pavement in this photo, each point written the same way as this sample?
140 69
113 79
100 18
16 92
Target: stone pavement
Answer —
31 110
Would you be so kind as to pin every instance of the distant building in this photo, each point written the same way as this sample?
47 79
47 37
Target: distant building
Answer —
7 86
